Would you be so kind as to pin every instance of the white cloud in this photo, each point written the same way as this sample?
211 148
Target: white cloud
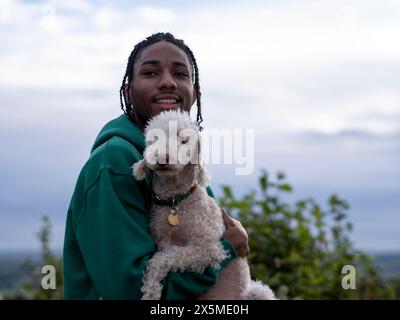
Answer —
155 15
105 17
272 60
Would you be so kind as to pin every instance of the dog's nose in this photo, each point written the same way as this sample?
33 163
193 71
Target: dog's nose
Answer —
163 164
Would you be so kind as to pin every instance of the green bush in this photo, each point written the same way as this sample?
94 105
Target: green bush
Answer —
299 248
31 288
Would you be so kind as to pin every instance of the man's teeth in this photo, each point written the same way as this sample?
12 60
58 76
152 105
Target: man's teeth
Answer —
166 101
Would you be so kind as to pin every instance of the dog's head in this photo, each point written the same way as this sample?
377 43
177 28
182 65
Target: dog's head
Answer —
172 144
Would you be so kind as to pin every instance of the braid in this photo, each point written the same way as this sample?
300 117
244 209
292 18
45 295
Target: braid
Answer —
199 118
126 106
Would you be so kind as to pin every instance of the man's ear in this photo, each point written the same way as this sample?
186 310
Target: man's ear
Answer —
140 169
127 94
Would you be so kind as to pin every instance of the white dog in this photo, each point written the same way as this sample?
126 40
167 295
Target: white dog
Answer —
185 222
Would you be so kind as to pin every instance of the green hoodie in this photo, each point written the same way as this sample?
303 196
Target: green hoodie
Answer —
107 241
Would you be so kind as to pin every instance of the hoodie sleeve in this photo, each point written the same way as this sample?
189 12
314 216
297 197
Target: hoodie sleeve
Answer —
189 285
113 236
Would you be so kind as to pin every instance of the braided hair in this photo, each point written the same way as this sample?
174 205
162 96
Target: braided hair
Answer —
128 107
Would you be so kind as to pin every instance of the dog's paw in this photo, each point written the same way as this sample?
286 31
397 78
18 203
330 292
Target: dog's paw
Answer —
151 292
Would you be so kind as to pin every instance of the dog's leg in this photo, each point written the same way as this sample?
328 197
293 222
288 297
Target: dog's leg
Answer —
188 258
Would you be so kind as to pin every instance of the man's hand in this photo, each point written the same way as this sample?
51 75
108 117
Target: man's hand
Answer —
235 234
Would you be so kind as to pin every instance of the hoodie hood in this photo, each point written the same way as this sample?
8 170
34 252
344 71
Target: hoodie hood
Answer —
122 127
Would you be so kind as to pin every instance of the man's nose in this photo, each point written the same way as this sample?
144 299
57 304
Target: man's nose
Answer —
167 82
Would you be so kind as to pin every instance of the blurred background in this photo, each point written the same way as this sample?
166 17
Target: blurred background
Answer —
318 81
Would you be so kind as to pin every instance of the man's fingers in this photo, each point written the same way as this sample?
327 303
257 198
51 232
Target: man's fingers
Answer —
227 219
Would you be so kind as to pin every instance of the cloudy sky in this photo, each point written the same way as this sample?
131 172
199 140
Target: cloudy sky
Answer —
318 81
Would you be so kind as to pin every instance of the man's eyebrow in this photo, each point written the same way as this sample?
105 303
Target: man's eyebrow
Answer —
180 64
153 62
157 62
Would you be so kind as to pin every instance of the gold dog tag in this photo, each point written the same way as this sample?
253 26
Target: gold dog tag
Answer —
173 218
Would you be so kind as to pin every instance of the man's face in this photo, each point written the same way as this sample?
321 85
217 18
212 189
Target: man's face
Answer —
162 80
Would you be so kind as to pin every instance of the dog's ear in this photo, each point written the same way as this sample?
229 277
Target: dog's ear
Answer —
199 156
203 178
140 169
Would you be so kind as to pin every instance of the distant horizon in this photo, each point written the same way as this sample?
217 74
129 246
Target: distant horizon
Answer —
59 251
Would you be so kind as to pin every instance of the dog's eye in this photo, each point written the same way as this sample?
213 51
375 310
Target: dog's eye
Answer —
154 140
185 141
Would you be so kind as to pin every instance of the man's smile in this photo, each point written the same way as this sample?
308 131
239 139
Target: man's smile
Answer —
167 101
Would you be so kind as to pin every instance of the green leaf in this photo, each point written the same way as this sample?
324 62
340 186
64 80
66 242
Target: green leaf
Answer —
264 182
285 187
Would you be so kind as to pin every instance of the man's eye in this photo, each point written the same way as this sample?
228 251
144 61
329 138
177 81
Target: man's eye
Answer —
182 74
149 73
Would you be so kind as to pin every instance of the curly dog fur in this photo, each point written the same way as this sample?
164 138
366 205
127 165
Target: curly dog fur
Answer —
193 244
